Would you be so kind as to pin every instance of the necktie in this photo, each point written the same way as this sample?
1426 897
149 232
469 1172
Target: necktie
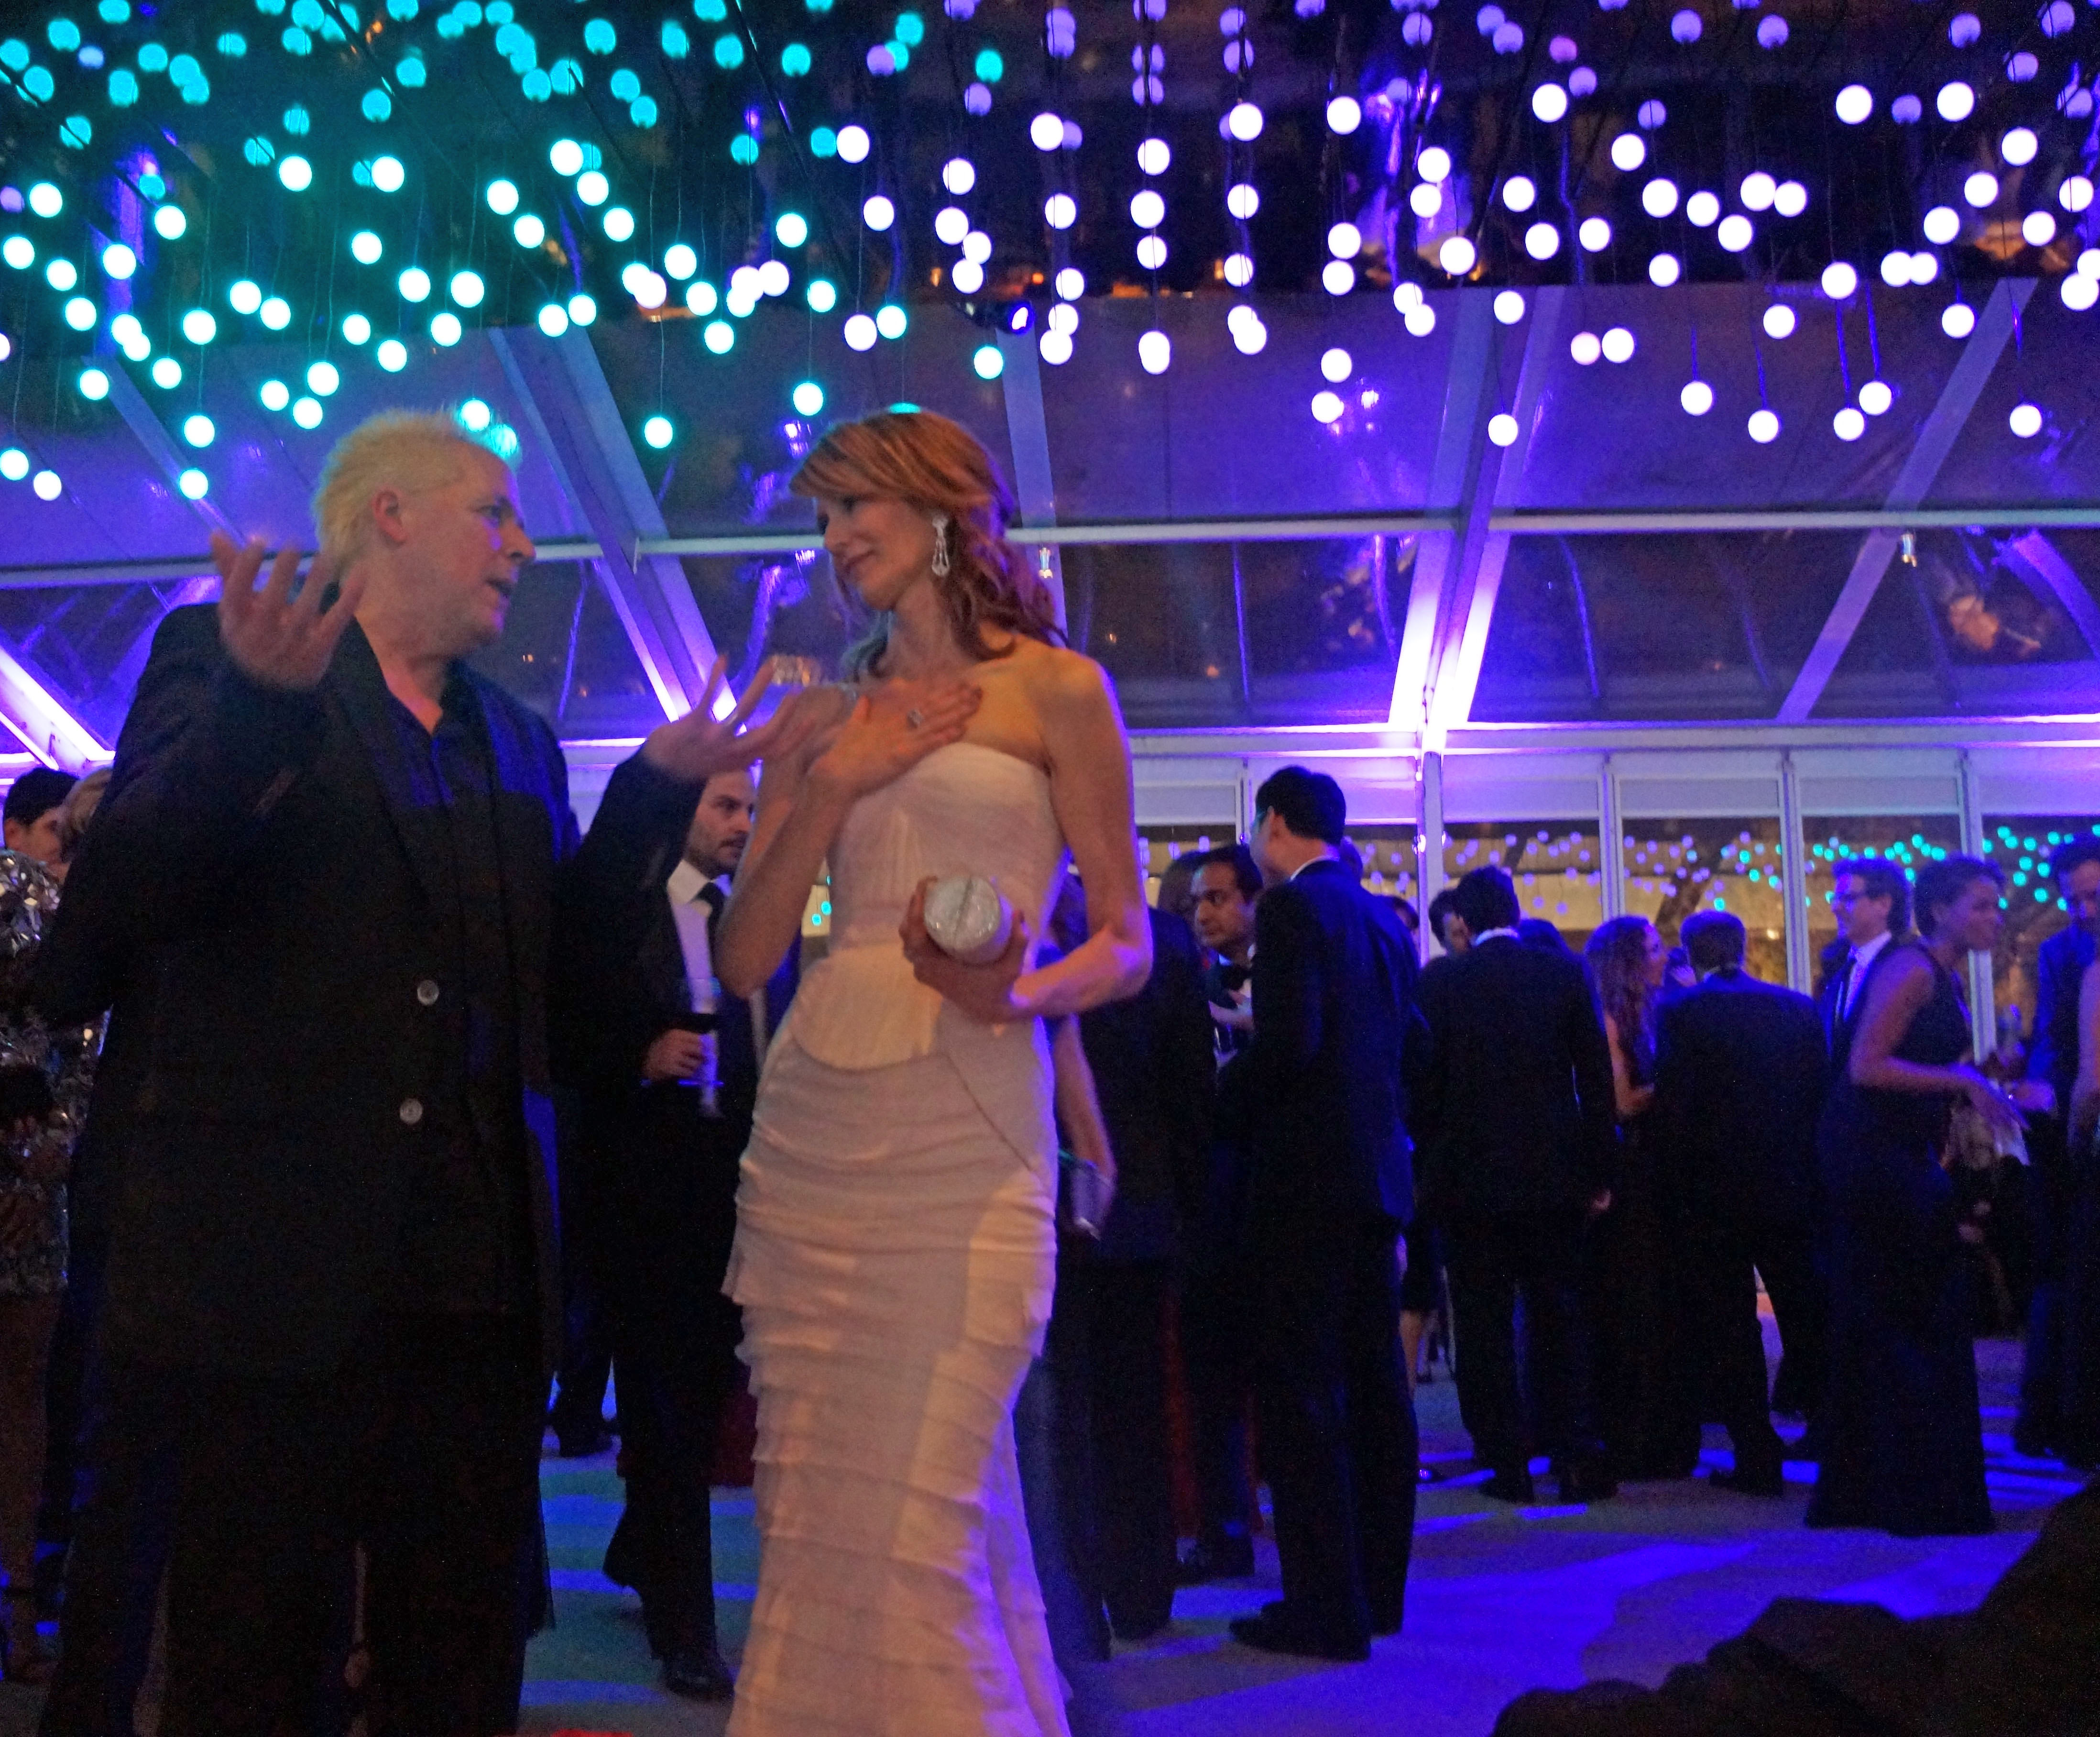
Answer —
1845 987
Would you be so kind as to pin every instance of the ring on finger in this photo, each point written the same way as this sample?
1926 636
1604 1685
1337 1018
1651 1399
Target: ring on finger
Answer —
915 718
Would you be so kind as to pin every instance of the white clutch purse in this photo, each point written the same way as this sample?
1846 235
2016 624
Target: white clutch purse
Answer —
968 919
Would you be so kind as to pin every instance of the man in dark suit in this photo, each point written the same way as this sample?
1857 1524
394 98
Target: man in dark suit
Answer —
1214 1325
1739 1076
331 1278
1872 899
665 1113
1330 1185
2059 1409
1153 1079
1521 1158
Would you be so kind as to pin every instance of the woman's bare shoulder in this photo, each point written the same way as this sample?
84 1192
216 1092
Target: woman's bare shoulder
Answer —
1059 678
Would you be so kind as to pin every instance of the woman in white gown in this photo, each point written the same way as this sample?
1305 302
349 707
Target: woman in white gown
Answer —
896 1240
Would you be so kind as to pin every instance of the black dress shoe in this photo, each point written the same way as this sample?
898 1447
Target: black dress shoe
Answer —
1272 1632
699 1673
1509 1486
1750 1481
1229 1559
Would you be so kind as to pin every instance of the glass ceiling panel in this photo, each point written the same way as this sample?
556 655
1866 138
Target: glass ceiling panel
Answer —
1956 626
2051 364
1611 434
1221 434
87 642
739 437
565 654
115 506
1160 619
263 465
761 606
1659 626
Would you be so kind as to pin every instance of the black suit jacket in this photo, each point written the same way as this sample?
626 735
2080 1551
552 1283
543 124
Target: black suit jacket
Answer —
251 913
656 1173
2060 968
1155 1075
1740 1076
1839 1032
1335 1020
1521 1113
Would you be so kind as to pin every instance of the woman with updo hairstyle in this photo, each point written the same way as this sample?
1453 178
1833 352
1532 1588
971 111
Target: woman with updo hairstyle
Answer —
895 1236
1904 1447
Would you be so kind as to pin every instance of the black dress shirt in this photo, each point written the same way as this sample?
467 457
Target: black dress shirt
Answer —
466 1245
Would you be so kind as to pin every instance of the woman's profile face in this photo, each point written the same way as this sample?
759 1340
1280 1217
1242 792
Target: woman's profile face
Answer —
1974 918
1655 957
880 547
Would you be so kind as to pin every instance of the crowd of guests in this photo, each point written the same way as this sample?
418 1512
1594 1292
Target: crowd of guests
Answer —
278 1301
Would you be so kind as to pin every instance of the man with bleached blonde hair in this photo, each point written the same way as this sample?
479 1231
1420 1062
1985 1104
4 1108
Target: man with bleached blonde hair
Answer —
349 878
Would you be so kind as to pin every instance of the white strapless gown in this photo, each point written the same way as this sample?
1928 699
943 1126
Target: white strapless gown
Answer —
895 1257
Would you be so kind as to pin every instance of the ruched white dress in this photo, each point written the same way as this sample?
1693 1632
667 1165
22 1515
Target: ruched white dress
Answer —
895 1257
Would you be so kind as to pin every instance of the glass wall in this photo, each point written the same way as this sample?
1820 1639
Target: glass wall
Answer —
1907 840
1390 866
1674 867
1557 866
2020 845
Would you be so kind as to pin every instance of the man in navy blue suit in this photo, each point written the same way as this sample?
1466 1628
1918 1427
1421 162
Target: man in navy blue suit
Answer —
1330 1185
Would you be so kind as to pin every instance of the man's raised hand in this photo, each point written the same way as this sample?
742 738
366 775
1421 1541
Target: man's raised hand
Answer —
693 749
276 639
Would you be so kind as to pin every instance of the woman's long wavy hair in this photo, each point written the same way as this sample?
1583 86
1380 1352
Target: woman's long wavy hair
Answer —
1618 958
938 466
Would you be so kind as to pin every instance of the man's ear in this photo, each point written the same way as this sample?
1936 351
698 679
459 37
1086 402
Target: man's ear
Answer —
386 516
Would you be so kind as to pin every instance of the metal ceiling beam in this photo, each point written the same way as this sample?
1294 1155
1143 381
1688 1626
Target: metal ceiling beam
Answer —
1936 436
2038 560
40 719
1034 487
1482 551
1454 489
160 448
572 413
1525 523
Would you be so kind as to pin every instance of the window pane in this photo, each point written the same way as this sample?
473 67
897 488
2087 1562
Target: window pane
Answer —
1674 867
1909 841
1556 866
1160 619
1390 867
2020 845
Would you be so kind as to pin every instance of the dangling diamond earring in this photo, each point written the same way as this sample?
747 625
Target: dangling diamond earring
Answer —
941 561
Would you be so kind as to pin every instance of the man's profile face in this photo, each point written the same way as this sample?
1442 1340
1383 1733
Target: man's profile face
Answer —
463 544
37 838
722 824
1224 915
2081 892
1859 914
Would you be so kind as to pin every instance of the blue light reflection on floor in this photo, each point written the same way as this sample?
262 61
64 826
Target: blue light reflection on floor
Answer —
1500 1599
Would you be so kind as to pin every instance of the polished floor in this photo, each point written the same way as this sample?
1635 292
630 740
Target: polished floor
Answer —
1501 1600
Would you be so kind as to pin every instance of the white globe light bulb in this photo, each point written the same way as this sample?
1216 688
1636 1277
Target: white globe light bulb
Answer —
2025 421
1697 398
1763 427
1848 424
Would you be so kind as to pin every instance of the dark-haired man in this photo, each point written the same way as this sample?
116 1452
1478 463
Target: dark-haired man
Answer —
29 820
1214 1319
1519 1084
1740 1075
1872 899
666 1113
2060 968
1330 1185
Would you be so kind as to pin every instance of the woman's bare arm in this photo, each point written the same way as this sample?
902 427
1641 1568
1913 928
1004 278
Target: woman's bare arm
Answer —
1090 790
1630 1100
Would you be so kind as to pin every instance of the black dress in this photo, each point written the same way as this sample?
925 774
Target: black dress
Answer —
1649 1428
1905 1446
